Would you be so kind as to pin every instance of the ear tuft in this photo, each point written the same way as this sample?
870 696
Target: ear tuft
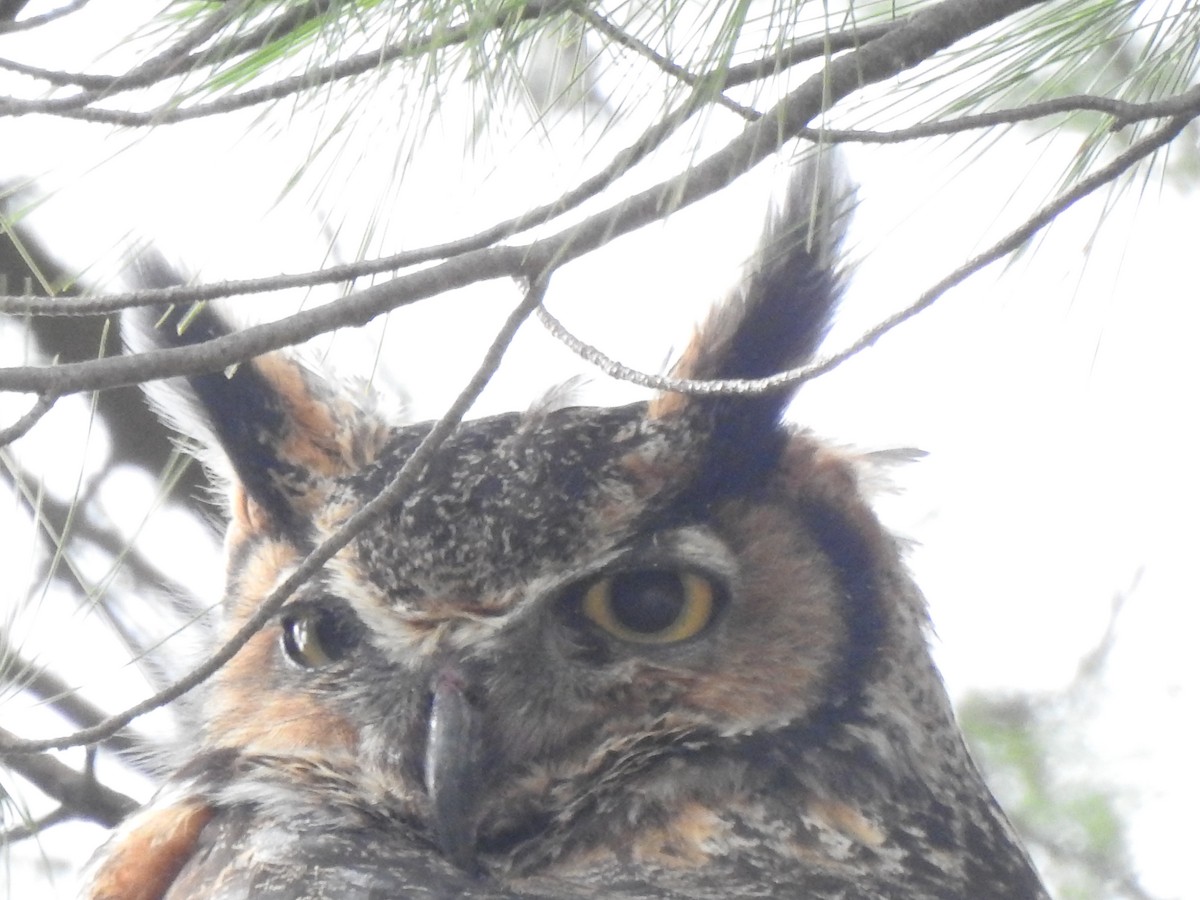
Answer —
780 314
775 321
272 426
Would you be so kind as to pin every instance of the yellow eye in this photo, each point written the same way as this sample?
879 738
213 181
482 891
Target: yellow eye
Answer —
651 606
316 636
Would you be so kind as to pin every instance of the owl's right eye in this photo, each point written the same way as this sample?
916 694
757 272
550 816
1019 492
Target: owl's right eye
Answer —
315 636
650 606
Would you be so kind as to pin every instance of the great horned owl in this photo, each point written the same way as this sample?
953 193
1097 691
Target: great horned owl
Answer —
661 650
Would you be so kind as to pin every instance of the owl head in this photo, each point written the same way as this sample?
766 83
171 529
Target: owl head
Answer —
659 650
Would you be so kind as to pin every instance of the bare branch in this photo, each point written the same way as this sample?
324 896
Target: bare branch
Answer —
807 49
1001 248
78 106
10 9
181 56
8 27
924 34
1187 103
79 792
170 61
30 829
625 39
29 305
57 525
403 481
1123 113
358 308
63 699
42 405
1012 241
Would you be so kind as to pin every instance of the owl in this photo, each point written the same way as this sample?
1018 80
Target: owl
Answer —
663 650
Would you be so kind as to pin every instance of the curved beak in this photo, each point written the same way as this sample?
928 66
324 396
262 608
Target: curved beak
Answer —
453 754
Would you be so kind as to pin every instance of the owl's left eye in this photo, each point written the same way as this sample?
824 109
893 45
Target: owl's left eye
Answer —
650 606
317 635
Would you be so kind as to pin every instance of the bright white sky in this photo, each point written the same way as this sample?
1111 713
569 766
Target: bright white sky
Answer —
1056 397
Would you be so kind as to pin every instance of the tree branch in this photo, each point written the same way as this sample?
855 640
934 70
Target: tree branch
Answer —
710 87
1187 103
63 699
42 405
27 830
358 522
8 27
80 792
79 105
168 62
927 32
1006 245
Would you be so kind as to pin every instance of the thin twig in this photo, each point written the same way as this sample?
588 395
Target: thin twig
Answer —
712 87
806 50
35 827
166 63
75 107
42 405
56 525
1004 246
926 33
1123 114
622 161
357 308
362 519
1187 103
78 791
21 673
180 57
44 19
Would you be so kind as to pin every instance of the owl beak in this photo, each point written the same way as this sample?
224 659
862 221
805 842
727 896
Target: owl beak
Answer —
453 752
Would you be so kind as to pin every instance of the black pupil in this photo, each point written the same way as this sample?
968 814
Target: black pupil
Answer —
646 602
335 633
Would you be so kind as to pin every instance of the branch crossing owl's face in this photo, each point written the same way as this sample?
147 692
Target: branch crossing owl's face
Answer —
662 650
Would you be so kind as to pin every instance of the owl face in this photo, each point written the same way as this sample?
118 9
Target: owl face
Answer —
566 598
658 650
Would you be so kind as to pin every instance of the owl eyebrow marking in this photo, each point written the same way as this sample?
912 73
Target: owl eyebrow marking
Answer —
673 545
698 546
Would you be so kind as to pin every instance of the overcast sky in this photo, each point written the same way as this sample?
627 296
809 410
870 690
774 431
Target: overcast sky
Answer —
1055 396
